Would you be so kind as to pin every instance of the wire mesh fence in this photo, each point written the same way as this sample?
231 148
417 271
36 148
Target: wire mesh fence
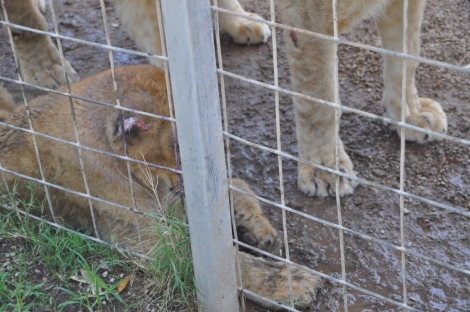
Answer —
191 61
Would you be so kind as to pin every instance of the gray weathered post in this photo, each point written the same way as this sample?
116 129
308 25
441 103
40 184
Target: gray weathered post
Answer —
189 40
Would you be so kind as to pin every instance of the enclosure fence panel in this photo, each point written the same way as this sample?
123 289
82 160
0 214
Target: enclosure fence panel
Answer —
201 122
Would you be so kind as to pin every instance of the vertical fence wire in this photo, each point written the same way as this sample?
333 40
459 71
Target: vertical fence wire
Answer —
121 117
7 187
28 113
278 146
227 153
402 146
74 119
158 7
337 143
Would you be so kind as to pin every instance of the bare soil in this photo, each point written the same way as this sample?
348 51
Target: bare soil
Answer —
438 171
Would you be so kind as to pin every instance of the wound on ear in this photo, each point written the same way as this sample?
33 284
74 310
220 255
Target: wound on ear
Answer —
134 123
130 124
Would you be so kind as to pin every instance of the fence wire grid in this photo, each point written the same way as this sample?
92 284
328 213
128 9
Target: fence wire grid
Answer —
354 291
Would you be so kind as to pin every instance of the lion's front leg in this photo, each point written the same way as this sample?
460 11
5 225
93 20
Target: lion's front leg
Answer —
269 279
252 225
39 58
242 30
420 112
311 63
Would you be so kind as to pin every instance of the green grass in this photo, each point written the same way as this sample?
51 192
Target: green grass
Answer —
74 264
171 268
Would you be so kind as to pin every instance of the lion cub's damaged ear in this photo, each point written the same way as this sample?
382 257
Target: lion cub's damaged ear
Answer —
133 126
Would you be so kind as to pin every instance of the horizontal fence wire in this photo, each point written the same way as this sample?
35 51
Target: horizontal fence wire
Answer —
90 43
345 108
94 239
84 195
126 158
323 275
345 175
68 94
347 42
354 232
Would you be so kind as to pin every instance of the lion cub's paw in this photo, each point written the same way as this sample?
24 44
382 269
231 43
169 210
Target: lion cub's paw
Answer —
316 182
244 31
41 64
431 117
253 227
270 280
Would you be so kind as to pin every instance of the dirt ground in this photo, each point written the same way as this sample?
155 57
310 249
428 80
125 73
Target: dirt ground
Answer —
438 171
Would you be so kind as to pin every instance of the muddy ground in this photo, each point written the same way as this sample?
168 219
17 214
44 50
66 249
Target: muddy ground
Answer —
438 171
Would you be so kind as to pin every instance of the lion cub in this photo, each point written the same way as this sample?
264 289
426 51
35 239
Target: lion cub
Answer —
141 88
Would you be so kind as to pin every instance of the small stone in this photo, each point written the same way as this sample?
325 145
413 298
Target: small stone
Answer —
112 279
9 268
382 231
378 172
37 271
105 273
406 211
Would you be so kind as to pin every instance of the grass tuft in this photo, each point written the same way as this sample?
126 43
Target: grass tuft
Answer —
71 267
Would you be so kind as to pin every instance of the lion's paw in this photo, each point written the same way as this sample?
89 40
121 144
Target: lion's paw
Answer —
259 233
41 64
270 280
316 182
431 117
244 31
253 227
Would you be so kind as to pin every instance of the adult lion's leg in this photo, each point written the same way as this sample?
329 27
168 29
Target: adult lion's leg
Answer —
39 58
311 65
242 30
421 112
139 18
269 279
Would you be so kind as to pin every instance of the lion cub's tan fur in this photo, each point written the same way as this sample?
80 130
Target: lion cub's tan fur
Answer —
150 139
